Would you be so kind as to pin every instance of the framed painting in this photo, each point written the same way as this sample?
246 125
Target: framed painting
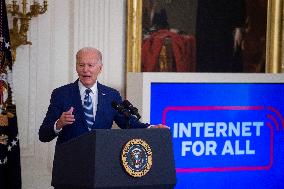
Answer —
174 36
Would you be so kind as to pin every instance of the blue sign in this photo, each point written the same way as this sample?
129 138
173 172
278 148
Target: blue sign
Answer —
225 135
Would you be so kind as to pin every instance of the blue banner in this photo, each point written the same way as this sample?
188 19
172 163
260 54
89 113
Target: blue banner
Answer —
224 135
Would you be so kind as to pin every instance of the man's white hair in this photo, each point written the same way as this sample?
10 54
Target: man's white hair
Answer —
89 52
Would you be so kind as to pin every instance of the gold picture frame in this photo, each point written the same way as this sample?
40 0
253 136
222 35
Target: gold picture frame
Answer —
274 43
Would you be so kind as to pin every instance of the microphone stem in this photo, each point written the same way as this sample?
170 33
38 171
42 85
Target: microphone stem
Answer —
127 122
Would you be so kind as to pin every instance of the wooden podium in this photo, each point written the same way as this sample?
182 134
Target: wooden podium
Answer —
94 161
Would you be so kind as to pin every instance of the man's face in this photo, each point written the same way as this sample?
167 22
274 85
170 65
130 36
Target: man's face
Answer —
88 67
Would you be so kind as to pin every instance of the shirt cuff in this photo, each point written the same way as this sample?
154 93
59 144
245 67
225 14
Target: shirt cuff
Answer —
57 131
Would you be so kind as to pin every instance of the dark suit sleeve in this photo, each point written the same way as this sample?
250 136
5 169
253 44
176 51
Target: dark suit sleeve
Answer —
46 131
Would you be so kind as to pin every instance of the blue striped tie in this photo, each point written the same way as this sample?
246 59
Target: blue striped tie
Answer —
88 109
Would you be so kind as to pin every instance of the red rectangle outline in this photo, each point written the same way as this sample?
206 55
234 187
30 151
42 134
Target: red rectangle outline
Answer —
216 108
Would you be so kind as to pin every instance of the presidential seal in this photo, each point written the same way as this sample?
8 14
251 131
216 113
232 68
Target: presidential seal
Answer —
136 157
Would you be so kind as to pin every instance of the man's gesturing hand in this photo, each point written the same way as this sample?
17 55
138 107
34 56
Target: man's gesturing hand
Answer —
66 118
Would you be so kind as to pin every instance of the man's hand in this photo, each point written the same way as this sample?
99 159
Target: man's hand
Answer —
160 126
237 38
66 118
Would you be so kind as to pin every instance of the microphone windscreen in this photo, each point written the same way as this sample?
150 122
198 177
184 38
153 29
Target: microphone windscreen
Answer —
114 104
126 103
120 108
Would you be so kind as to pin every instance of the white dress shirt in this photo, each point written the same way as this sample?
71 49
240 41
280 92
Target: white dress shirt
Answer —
93 94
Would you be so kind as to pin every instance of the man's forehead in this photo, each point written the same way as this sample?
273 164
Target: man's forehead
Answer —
88 55
88 58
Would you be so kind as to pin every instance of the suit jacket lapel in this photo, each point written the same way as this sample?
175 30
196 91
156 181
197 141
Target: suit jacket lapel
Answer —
76 98
79 107
100 109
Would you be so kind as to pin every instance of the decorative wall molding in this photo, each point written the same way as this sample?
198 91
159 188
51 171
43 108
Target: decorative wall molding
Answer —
91 28
100 24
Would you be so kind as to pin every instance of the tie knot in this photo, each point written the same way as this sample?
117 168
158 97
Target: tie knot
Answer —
88 91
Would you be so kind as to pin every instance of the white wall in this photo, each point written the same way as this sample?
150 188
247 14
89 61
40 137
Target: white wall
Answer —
49 63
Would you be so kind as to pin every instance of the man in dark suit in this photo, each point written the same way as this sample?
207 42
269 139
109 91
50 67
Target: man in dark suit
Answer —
68 117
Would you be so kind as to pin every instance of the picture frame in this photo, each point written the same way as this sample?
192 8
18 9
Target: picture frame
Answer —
274 35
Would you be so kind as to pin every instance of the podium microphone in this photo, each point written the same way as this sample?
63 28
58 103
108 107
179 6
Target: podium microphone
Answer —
120 108
133 110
